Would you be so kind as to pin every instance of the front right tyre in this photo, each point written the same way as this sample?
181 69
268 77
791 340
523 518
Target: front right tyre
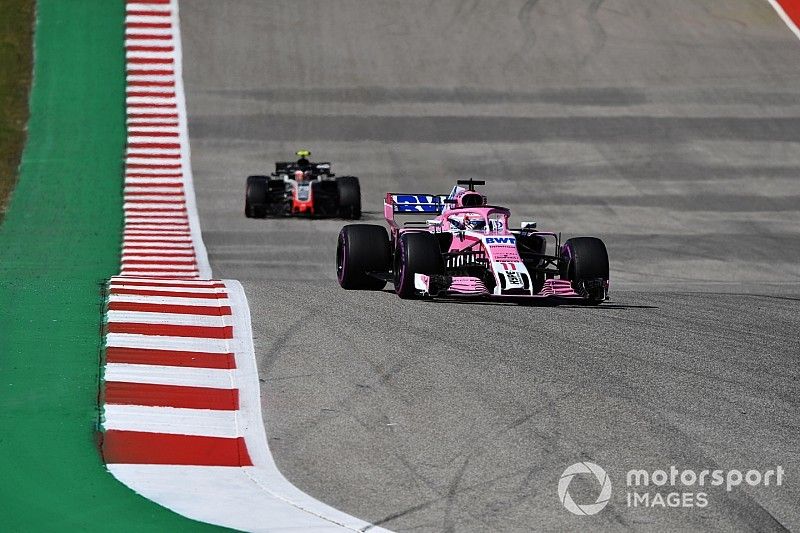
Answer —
349 197
417 253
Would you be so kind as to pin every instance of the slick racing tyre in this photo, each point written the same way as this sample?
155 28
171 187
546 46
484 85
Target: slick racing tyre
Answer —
584 261
362 248
417 253
256 197
349 197
326 198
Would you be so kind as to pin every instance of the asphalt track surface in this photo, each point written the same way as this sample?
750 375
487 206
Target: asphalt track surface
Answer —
669 129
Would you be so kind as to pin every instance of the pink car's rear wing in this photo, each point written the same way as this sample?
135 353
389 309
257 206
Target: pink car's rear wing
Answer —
412 204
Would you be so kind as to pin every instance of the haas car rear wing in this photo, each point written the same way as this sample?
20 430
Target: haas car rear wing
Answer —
412 204
287 167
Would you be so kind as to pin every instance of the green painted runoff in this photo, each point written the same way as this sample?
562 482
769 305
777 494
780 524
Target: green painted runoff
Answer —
58 243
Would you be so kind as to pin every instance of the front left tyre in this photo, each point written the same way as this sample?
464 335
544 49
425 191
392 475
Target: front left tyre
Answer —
584 262
256 197
362 250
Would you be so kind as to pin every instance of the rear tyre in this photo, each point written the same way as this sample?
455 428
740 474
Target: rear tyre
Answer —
417 253
585 264
326 198
362 248
256 197
349 197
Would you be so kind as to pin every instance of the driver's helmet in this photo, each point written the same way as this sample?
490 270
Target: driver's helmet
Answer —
298 175
303 162
496 224
474 224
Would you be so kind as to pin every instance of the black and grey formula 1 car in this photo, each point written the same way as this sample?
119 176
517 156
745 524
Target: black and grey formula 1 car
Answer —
305 188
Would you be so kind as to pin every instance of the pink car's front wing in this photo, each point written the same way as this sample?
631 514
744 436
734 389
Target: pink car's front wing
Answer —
472 286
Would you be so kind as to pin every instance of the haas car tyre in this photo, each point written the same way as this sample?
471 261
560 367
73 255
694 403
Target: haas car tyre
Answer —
417 253
349 197
585 264
256 197
362 248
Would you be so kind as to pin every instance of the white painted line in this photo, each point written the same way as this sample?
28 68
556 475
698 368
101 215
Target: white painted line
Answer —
186 257
151 31
177 319
150 90
168 290
159 207
166 56
144 182
146 6
174 174
170 375
138 247
143 39
167 300
165 163
144 138
157 228
167 239
176 284
157 221
159 273
152 99
156 342
785 18
128 268
148 18
172 420
131 197
149 109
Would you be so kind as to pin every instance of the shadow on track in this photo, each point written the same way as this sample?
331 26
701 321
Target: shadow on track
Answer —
533 302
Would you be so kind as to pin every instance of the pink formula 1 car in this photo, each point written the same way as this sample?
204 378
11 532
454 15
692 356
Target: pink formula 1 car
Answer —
468 249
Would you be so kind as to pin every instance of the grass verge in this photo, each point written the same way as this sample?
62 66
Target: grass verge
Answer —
16 61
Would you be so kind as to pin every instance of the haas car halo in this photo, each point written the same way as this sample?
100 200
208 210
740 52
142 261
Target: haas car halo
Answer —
302 188
468 250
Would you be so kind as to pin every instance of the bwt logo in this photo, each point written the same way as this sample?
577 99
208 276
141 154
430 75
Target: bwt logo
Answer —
586 509
501 240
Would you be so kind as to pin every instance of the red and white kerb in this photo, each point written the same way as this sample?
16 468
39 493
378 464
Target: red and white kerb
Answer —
182 422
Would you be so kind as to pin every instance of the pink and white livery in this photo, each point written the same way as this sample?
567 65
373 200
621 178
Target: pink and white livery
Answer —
468 249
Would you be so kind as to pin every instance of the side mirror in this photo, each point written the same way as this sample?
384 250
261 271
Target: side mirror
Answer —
435 224
528 224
